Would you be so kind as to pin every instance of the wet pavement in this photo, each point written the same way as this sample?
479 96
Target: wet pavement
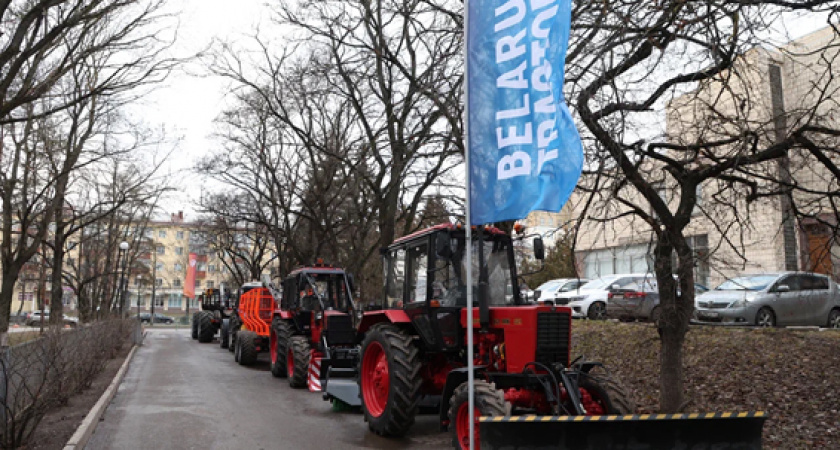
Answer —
179 394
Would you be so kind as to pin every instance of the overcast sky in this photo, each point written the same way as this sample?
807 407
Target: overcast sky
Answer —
187 104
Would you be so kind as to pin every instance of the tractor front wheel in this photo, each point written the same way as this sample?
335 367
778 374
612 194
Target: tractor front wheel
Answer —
280 333
247 346
223 333
489 401
297 361
195 325
606 395
205 327
389 380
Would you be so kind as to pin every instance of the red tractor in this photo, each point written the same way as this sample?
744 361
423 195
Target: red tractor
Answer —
311 316
413 343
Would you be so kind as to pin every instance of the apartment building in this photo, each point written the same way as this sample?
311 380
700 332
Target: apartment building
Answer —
779 82
165 260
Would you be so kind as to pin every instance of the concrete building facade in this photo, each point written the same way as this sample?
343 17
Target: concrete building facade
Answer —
739 237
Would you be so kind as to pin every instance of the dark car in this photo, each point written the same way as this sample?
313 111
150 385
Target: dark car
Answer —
639 302
159 318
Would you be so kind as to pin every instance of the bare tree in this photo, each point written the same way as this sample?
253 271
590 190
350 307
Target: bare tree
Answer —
63 62
629 64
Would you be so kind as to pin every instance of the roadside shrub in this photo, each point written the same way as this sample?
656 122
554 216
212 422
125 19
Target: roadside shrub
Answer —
44 373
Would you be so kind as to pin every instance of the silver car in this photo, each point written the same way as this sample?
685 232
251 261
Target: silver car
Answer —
771 299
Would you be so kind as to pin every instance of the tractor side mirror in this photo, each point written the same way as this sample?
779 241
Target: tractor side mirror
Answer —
443 246
539 248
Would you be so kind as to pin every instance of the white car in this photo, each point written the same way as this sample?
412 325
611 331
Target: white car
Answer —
550 290
590 300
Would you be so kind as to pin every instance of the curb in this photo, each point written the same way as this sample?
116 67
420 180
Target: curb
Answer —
82 435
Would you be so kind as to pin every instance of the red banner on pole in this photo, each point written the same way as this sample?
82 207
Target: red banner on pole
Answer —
189 283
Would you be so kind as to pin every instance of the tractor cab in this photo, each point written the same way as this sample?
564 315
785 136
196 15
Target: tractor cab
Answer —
426 276
317 288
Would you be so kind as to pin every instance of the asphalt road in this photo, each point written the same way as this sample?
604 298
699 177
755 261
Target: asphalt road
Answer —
179 394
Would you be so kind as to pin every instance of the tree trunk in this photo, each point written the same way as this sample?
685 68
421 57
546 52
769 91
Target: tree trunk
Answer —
57 288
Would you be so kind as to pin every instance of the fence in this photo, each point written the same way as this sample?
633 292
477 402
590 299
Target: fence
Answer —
44 373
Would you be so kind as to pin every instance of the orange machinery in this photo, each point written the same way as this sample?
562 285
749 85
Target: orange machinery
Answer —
254 324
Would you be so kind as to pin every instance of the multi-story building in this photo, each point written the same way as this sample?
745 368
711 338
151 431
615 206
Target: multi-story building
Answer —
164 262
155 278
782 82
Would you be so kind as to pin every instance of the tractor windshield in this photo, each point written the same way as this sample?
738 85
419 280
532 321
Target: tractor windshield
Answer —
450 285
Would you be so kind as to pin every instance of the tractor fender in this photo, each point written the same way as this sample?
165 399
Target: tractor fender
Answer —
283 314
454 378
369 319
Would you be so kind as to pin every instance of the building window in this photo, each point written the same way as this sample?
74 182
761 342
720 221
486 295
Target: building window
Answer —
201 267
178 267
209 284
159 282
159 301
179 235
147 233
211 268
179 250
159 266
161 250
161 233
176 283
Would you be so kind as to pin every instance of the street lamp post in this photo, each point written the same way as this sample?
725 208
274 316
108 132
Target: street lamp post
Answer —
122 256
139 285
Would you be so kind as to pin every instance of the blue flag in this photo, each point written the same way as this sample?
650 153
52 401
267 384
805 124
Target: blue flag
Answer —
525 152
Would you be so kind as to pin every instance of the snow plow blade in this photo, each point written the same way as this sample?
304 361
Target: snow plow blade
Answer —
707 431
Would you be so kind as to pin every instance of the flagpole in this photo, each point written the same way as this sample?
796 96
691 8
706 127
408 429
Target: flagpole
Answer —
470 364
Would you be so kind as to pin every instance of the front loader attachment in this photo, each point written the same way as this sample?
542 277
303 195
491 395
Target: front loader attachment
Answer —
712 431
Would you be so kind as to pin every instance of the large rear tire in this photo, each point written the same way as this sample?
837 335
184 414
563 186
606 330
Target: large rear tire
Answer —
247 341
195 325
223 333
389 380
206 330
297 361
489 401
607 393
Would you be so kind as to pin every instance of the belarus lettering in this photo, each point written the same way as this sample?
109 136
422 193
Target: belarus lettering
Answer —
532 118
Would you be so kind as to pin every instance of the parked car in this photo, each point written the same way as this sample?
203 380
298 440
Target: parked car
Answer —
590 300
159 318
33 319
551 289
771 299
633 304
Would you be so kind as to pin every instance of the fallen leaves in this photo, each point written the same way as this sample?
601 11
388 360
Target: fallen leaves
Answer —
791 375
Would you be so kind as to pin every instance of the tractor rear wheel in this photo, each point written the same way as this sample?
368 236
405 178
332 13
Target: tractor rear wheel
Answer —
489 401
233 327
195 325
206 330
280 333
297 361
247 346
389 380
223 333
608 395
